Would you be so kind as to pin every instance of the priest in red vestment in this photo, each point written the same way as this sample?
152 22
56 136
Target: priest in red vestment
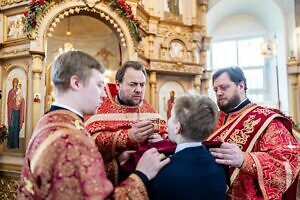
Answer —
62 160
124 120
259 147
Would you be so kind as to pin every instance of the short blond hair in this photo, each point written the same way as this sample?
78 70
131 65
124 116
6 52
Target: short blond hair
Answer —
73 63
197 116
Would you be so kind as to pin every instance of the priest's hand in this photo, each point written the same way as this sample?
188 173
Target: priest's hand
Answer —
124 156
151 162
155 137
141 130
228 154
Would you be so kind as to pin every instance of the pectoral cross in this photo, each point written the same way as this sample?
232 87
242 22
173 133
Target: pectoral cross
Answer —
290 146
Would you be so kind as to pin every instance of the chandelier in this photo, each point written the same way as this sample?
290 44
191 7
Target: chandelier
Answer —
68 46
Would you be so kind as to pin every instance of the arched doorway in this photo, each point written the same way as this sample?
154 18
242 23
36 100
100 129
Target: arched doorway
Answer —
87 34
102 14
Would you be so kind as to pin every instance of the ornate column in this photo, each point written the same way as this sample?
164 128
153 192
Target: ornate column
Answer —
194 12
152 81
37 69
205 78
202 9
151 47
151 7
153 29
197 83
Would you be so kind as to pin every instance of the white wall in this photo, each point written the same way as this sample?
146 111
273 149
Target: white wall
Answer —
238 26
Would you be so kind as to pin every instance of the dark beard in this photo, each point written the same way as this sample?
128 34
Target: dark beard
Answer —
126 102
232 103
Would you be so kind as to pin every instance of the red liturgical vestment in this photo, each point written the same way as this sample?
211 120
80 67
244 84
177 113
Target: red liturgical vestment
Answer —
111 124
271 153
62 162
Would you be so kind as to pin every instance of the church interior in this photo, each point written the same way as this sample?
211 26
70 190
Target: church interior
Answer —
180 43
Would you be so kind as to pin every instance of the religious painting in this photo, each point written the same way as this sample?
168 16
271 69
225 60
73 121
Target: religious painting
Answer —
15 87
177 50
14 27
168 92
173 6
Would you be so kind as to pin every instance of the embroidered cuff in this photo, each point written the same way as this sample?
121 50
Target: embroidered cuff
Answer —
143 177
248 165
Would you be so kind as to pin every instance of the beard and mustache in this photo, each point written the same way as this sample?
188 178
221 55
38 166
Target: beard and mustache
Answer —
129 102
231 104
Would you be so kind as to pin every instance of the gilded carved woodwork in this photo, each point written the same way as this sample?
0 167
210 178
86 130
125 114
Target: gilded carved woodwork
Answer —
9 2
182 35
56 12
77 10
205 78
166 32
176 67
153 51
172 17
13 52
91 3
143 18
8 187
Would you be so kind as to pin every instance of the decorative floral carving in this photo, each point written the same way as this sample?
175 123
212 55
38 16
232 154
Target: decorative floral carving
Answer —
3 133
36 7
8 187
176 67
8 2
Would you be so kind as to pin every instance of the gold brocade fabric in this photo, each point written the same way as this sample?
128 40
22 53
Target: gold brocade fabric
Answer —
110 128
271 162
62 162
135 191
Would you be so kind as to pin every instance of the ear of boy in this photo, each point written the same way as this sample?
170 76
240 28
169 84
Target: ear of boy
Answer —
178 128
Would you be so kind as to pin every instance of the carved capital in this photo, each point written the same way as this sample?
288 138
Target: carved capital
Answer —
202 2
37 63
